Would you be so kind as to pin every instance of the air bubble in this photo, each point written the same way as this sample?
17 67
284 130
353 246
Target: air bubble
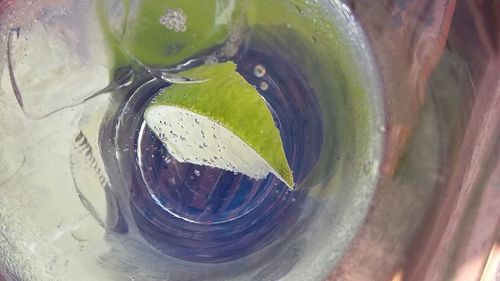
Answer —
264 86
211 60
197 173
259 71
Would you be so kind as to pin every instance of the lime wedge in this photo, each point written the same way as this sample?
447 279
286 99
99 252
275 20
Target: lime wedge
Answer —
163 33
222 122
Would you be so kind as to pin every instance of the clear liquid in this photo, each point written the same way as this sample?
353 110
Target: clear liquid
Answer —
205 214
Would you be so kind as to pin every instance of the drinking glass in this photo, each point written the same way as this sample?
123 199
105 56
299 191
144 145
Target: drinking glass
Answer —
388 112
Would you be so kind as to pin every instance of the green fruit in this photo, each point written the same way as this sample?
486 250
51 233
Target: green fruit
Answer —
222 122
162 33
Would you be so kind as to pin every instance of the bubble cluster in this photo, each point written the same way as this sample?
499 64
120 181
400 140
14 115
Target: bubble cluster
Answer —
174 19
197 139
211 60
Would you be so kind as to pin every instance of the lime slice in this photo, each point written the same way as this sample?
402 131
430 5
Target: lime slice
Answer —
162 33
223 123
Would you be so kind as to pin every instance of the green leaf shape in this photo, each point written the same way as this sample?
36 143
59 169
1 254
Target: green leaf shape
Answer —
208 24
227 98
